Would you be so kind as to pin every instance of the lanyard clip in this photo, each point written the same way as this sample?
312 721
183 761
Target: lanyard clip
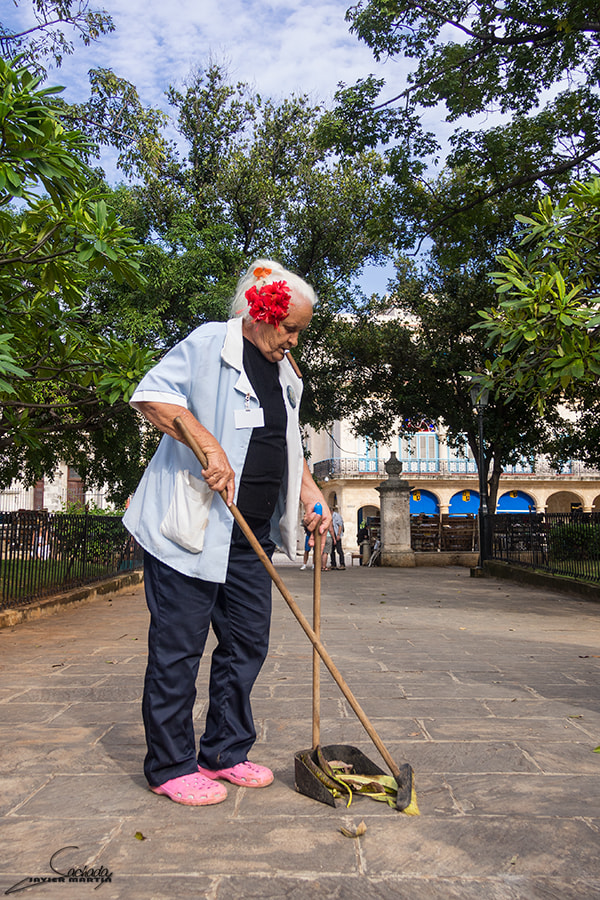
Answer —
247 403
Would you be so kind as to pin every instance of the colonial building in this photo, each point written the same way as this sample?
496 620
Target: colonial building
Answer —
52 495
443 481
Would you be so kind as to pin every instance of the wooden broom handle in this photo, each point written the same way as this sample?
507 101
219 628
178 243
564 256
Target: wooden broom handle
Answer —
316 689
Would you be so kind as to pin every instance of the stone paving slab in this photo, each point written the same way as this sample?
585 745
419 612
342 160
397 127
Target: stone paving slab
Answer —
493 727
489 689
555 796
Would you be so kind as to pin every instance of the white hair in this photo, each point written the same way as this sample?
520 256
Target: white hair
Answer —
240 305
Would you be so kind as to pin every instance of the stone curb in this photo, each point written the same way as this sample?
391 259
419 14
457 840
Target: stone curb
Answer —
495 569
50 605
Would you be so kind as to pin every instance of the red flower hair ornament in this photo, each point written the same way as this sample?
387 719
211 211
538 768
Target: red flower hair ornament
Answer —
271 303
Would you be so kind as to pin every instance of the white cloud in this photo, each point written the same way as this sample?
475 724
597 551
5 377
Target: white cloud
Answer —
278 47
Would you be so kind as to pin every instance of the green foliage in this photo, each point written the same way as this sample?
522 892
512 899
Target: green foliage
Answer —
545 325
408 362
478 54
115 116
47 39
532 66
259 180
79 508
573 541
58 378
516 84
263 169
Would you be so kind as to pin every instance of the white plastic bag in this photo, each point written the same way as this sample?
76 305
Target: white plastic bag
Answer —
187 515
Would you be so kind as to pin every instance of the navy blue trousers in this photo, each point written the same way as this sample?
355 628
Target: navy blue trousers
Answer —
182 609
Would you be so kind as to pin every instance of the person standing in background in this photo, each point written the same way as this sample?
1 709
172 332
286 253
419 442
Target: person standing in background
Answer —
338 532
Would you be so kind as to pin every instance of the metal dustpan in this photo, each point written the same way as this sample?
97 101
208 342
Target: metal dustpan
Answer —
311 781
308 774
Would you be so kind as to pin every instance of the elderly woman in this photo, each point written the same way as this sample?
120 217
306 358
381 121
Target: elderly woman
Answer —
238 393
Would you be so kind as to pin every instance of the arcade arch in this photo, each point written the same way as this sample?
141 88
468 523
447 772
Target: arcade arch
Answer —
464 503
563 502
365 513
422 501
515 502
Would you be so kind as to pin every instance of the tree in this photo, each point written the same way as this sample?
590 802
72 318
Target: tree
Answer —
258 180
410 358
61 382
69 401
47 39
530 73
530 70
264 168
113 115
544 327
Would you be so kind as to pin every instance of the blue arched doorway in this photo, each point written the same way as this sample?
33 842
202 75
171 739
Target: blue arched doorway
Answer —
515 502
423 502
464 503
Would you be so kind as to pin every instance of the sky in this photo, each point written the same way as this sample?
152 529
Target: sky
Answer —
278 48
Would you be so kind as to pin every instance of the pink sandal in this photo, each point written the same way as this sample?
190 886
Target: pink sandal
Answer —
192 790
245 774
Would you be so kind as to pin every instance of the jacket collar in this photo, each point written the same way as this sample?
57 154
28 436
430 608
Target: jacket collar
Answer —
232 352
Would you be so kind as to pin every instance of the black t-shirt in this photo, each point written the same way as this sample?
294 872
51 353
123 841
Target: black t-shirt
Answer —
265 462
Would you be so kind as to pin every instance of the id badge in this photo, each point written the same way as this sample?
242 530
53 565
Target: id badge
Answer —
250 418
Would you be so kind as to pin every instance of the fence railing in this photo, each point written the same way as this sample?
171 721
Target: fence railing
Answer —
18 498
561 544
44 553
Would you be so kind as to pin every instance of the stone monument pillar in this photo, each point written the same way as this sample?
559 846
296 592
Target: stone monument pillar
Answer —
395 517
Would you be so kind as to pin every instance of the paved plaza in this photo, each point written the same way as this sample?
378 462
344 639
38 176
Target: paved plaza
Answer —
490 689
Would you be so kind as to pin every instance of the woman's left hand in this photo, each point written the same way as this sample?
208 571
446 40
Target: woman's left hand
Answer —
310 495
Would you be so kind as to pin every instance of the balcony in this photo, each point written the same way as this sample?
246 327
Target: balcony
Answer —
356 467
366 467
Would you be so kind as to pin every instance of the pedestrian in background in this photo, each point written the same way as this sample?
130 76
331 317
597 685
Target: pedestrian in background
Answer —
326 550
338 532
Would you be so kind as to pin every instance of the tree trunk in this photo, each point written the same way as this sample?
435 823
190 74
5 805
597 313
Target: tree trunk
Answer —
493 484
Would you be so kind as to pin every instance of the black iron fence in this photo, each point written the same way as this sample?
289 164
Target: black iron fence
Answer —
561 544
45 553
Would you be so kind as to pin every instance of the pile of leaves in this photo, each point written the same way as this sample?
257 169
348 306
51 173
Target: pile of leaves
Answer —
340 779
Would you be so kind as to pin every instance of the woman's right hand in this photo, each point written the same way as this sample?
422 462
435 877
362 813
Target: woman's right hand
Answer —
219 475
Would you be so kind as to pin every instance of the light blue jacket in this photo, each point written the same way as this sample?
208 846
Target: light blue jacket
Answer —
204 373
